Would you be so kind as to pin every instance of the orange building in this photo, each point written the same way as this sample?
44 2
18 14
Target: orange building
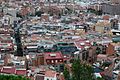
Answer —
39 60
112 48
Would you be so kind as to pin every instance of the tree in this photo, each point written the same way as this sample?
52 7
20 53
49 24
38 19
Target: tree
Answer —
81 71
98 50
100 78
66 74
12 77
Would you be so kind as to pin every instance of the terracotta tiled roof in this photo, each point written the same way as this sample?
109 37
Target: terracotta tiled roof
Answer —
58 55
8 70
21 71
50 74
82 43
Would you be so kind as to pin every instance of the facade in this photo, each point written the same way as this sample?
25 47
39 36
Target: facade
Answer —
96 7
112 48
102 26
39 77
13 70
39 60
47 75
53 58
112 9
50 75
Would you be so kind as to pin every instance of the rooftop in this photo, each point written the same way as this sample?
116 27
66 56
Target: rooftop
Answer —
53 55
50 73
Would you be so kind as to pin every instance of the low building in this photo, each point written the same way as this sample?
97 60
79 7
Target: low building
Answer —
50 75
103 26
47 75
101 57
39 77
52 58
38 60
8 70
22 72
13 70
82 44
113 9
113 48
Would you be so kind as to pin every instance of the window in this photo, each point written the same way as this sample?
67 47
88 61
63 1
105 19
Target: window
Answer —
56 61
60 60
52 61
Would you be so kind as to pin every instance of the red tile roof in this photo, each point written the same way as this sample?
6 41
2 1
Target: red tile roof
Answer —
8 70
50 74
82 43
21 71
58 55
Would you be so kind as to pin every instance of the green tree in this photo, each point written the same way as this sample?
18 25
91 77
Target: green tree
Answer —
100 78
12 77
98 50
81 71
66 74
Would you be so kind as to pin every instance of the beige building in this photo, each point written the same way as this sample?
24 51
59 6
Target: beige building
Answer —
103 26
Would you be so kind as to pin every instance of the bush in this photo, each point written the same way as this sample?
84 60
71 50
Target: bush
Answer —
12 77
